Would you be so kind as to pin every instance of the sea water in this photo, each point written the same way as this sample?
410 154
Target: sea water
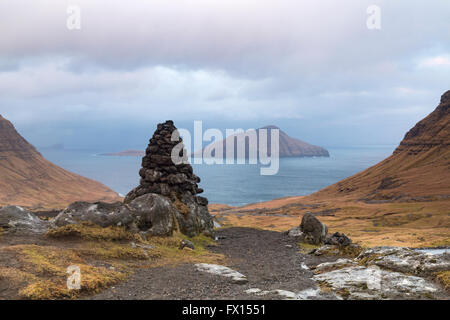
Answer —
231 184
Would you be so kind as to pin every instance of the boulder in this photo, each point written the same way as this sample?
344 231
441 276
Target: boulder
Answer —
150 214
193 216
338 239
153 214
295 232
363 283
406 260
14 219
186 244
334 265
383 273
314 231
100 213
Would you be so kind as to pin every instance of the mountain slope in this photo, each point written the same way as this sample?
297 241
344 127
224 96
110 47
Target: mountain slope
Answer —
289 147
405 198
28 179
419 168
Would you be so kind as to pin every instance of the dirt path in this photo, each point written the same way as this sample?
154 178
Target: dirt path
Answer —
269 259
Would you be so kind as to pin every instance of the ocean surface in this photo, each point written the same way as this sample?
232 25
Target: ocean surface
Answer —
231 184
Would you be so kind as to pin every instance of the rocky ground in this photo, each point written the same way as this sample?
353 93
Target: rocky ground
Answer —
268 265
269 261
116 262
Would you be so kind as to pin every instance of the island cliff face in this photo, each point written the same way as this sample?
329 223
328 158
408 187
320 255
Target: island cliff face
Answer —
292 147
28 179
288 146
418 169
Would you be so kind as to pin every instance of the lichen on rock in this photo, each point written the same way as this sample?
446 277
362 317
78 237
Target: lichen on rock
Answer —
15 219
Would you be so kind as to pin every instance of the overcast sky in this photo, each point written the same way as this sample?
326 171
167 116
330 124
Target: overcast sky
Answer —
311 67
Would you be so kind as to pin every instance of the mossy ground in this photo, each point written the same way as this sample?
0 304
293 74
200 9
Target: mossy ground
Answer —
350 251
307 247
89 231
105 257
444 278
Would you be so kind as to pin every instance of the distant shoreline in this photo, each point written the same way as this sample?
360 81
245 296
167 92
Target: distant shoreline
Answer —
126 153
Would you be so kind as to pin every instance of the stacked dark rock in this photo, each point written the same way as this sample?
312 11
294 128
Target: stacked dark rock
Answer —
174 180
165 201
159 174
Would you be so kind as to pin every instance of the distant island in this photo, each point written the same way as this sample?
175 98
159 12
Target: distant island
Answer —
126 153
289 147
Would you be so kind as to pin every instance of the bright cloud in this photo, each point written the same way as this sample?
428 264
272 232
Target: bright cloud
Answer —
438 61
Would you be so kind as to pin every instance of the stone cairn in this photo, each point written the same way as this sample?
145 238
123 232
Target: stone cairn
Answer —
176 182
159 174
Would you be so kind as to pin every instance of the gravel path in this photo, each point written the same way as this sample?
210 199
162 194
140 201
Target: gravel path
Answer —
270 261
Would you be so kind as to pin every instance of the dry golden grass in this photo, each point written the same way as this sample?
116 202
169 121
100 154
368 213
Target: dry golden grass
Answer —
444 278
42 272
89 231
407 224
110 250
16 276
307 247
105 256
273 223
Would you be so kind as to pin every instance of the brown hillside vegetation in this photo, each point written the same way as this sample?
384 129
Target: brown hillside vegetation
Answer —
419 167
28 179
403 200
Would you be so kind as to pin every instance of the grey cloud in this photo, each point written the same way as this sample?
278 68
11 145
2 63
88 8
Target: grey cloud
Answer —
309 65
